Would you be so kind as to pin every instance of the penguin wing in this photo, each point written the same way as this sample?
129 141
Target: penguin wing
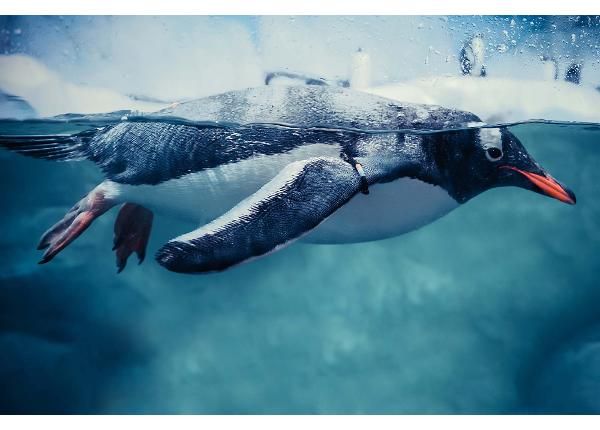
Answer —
298 199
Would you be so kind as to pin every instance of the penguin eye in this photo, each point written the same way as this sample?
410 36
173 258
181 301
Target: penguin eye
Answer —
493 154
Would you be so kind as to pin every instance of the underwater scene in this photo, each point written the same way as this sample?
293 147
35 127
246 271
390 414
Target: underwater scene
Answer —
300 215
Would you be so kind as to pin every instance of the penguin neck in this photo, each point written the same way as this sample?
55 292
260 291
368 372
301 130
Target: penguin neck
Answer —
444 164
428 158
389 166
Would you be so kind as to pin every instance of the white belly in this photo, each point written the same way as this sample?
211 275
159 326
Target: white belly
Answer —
389 210
205 195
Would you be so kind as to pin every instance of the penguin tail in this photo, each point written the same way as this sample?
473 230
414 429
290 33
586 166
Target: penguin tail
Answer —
58 147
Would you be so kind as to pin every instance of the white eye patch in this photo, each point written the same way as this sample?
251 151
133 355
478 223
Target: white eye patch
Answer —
491 142
490 138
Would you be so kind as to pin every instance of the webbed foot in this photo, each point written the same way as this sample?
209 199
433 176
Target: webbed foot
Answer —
132 231
75 222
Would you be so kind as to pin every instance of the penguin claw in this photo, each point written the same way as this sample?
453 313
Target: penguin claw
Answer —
120 267
118 241
44 260
58 229
132 231
42 246
67 235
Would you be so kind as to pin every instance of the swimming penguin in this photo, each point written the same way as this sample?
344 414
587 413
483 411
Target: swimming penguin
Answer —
472 56
260 186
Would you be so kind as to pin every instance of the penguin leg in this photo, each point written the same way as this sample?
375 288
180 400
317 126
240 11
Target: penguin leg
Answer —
298 199
75 222
132 231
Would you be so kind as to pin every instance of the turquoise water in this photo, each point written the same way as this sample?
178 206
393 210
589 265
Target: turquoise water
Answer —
491 309
481 311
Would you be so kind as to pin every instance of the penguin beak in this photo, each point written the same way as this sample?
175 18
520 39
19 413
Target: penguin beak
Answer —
547 185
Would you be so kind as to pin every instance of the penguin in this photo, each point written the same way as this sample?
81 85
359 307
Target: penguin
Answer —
573 73
550 72
472 56
272 77
360 70
360 75
325 164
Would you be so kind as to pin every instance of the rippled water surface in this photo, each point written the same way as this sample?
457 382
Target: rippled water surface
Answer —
73 123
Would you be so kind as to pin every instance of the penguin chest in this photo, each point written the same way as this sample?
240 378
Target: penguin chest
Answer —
389 210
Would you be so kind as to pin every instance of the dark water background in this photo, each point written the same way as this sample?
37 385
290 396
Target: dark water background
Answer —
493 308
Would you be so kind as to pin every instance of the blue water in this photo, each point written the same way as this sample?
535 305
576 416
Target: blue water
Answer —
491 309
469 314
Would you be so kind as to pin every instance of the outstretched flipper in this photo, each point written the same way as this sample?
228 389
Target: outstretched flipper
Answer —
298 199
75 222
132 231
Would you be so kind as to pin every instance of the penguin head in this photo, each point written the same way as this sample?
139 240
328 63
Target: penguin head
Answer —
573 73
494 157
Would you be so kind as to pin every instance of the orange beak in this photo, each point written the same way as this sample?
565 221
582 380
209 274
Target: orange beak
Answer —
547 184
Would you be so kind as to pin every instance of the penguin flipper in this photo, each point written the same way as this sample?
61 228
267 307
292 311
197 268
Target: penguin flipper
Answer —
298 199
